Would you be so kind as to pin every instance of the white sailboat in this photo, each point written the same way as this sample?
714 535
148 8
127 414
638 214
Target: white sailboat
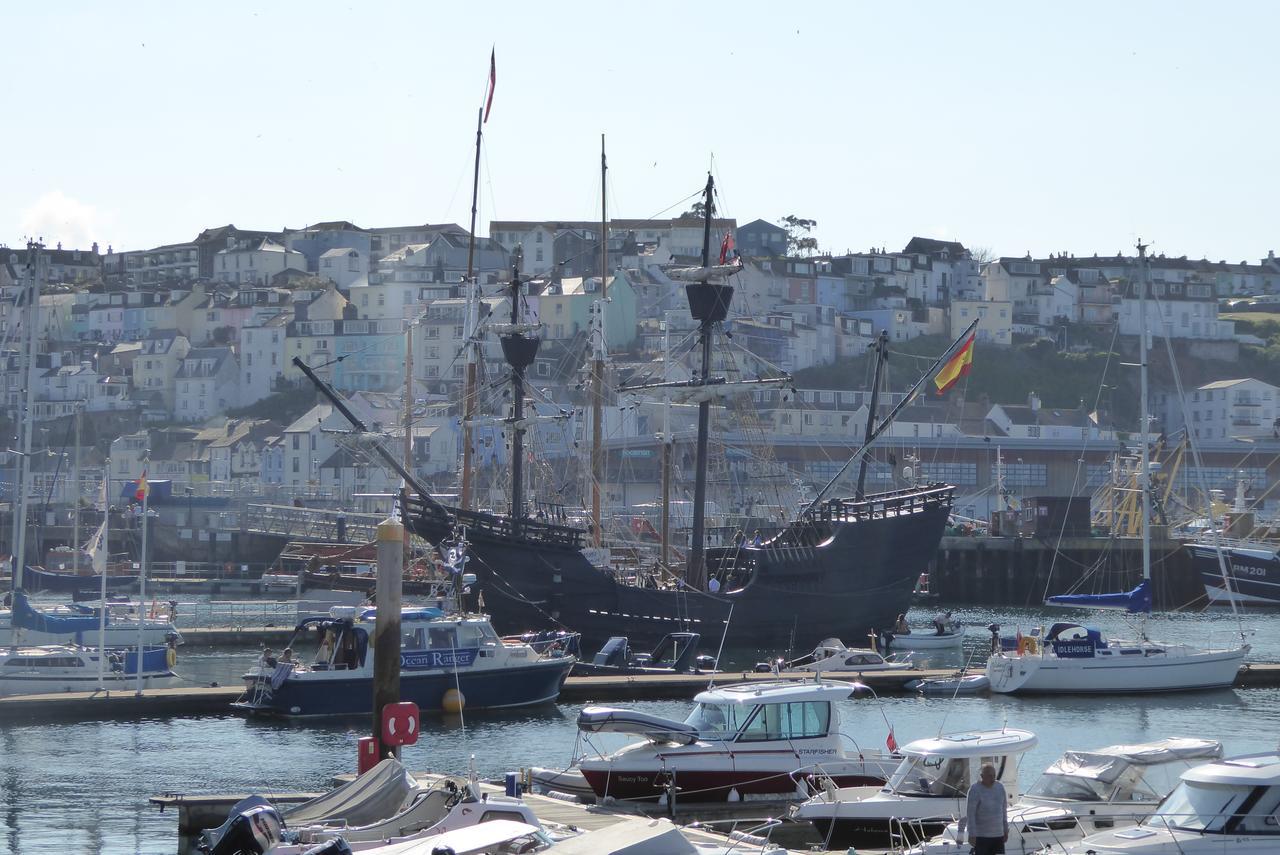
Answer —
1071 658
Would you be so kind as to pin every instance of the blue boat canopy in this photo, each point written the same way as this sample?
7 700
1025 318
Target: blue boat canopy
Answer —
1137 600
26 617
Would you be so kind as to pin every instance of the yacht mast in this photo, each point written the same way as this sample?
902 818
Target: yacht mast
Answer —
709 304
1144 477
469 387
35 260
598 358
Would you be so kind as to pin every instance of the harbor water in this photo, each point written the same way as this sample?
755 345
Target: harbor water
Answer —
83 788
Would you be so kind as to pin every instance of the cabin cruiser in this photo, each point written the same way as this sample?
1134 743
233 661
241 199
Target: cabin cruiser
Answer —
52 668
1085 792
832 655
1229 806
926 792
454 655
676 653
754 738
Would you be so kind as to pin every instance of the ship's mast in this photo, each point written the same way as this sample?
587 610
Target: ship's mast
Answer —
598 359
519 350
35 272
709 304
469 329
881 346
1144 475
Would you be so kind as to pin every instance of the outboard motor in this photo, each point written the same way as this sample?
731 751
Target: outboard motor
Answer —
705 662
253 827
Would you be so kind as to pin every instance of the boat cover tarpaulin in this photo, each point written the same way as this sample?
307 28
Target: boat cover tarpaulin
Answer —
26 617
1137 600
375 795
1106 764
653 727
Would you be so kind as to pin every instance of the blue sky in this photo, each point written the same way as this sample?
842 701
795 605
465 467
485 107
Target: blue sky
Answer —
1012 126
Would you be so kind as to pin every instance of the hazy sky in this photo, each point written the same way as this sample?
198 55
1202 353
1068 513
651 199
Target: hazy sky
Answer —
1013 126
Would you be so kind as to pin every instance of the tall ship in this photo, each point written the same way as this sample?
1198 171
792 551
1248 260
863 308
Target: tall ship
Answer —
839 568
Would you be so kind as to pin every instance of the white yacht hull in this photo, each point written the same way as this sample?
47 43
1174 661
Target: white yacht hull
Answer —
1172 670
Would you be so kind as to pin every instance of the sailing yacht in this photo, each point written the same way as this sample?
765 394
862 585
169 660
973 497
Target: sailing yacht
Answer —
1071 658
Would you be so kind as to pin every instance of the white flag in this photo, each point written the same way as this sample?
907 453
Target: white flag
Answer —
97 548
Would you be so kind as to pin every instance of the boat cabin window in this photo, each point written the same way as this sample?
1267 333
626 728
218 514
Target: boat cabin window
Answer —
931 775
1220 808
45 662
414 639
442 637
475 635
718 719
804 720
864 659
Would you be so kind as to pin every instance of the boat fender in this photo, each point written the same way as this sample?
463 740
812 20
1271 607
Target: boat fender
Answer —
453 701
336 846
1026 645
170 658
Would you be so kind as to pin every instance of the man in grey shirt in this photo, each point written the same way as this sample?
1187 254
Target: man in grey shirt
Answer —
987 814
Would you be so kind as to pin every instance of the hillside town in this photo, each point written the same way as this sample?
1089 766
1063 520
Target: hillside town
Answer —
178 352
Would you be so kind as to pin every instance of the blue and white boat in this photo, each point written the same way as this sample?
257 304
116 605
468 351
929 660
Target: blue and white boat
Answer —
440 654
1253 572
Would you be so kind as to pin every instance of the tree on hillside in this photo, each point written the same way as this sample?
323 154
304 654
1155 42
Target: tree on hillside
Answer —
799 241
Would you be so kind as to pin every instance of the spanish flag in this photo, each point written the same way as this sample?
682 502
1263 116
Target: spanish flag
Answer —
958 366
141 492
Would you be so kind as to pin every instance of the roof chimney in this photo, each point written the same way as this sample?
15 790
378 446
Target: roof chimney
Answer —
1033 401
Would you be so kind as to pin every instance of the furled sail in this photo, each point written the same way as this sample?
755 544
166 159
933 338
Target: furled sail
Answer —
26 617
1137 600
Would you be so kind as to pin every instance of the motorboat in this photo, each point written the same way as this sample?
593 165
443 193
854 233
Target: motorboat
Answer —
78 623
832 655
740 740
926 792
676 653
944 634
1228 806
1078 659
54 668
646 836
386 803
964 684
1085 792
441 654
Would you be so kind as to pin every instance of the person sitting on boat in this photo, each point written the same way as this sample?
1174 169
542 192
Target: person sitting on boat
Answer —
268 657
756 539
994 629
714 585
739 538
900 627
286 655
939 625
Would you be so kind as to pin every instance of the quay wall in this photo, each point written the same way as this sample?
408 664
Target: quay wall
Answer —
1022 571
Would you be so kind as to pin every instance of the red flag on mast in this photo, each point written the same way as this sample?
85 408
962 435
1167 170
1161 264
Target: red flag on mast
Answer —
493 79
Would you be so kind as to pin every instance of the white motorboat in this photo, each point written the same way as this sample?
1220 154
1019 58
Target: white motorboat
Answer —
951 638
740 740
1076 659
966 684
54 668
832 655
926 792
1085 792
1230 806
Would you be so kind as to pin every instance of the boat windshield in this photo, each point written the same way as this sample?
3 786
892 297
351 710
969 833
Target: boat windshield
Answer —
718 720
1070 788
931 775
1220 809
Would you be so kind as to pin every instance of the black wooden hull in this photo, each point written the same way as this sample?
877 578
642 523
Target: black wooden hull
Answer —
839 577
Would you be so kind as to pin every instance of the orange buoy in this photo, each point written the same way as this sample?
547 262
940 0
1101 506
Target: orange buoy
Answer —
453 701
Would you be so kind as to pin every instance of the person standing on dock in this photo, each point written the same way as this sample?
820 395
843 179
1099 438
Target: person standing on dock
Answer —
987 814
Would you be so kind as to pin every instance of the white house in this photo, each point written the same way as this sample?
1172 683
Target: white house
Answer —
344 267
256 262
206 384
1185 310
306 446
262 358
1224 409
995 320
